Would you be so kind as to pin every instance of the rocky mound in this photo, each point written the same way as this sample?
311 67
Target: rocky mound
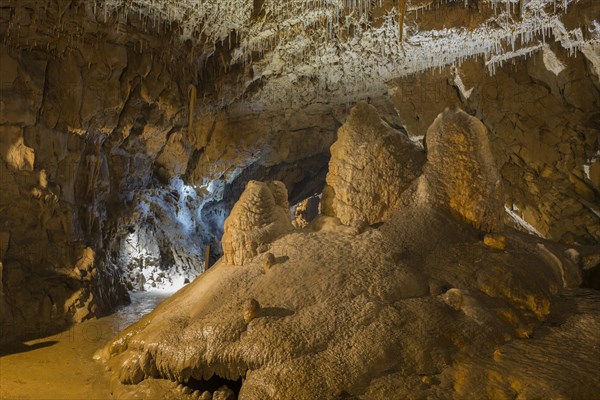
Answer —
461 171
418 308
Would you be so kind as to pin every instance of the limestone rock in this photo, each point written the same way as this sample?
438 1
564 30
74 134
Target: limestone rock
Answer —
131 371
371 165
250 310
13 150
591 51
453 298
260 216
223 393
205 395
4 240
268 262
590 263
461 172
539 133
174 156
306 211
355 314
495 241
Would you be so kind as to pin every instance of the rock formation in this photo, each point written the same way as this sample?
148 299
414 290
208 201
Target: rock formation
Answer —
371 165
306 211
130 128
97 105
260 216
543 131
461 171
408 309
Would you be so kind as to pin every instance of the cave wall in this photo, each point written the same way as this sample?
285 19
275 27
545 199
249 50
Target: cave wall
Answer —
95 149
89 119
542 115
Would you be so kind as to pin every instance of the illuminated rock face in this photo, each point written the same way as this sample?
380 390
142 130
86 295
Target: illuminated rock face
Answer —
310 52
257 219
409 309
371 165
94 151
543 134
461 170
76 146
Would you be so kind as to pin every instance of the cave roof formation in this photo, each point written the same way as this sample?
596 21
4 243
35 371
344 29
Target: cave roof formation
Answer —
336 50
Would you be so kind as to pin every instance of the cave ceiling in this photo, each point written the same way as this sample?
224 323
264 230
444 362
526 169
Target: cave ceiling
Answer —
263 55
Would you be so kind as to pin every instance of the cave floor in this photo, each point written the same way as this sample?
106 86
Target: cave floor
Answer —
62 366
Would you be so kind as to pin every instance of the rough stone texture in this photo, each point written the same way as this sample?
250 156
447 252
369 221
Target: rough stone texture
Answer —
95 107
276 55
85 121
260 216
223 393
543 131
461 170
49 276
360 315
306 211
250 310
495 241
93 135
371 165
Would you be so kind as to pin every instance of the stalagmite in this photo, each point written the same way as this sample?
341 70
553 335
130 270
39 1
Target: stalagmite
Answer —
260 216
461 171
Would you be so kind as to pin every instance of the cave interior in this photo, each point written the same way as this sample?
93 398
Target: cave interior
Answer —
300 199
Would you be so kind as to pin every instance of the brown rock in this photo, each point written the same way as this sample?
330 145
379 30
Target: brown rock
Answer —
251 309
454 298
268 262
131 371
495 241
260 216
371 165
206 395
13 150
461 171
223 393
306 211
4 240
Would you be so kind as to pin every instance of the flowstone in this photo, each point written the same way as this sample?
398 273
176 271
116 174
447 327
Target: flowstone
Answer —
260 216
418 307
371 165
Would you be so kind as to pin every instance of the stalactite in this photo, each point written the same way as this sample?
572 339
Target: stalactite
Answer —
192 93
349 25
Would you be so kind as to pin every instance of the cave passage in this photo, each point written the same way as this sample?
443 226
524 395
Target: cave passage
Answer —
62 366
